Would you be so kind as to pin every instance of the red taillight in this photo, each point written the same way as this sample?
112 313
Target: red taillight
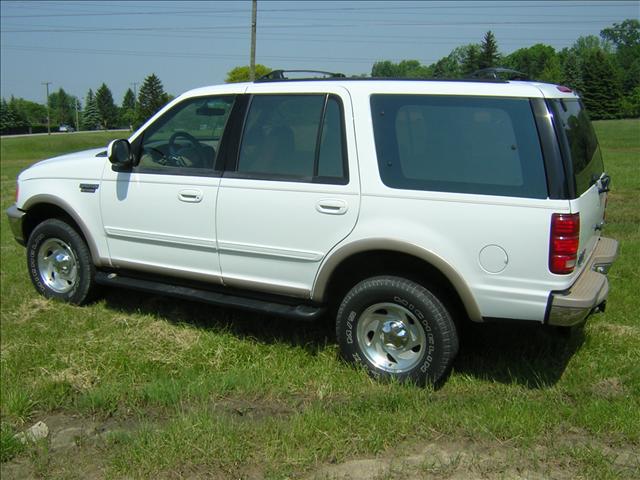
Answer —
563 89
564 242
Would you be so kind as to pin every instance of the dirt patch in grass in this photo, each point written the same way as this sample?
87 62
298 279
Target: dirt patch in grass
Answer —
458 460
609 388
255 410
72 449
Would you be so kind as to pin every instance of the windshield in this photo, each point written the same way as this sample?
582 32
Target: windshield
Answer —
580 140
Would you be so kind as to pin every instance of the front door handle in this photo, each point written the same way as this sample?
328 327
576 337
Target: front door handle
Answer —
190 195
332 206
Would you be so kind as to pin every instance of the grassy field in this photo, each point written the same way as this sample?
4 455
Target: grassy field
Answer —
139 386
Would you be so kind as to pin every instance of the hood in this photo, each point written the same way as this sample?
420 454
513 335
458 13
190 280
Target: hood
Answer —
87 164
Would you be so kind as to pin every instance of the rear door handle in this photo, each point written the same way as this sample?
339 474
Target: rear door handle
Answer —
332 206
190 195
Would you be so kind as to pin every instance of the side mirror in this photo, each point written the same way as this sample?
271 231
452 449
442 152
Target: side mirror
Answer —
119 154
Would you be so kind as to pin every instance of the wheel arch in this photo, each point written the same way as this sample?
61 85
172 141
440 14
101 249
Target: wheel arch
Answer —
355 261
43 207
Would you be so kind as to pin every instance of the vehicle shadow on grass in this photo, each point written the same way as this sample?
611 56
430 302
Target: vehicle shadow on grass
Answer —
312 336
525 354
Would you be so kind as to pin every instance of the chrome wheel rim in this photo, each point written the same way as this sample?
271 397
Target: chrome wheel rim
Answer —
391 337
57 265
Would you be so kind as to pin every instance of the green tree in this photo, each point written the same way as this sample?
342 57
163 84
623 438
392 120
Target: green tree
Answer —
107 110
602 86
489 55
35 113
62 108
539 62
403 69
470 56
572 71
128 109
13 116
626 38
4 115
151 98
90 115
241 74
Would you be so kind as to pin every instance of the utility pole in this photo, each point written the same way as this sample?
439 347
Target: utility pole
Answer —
47 102
252 61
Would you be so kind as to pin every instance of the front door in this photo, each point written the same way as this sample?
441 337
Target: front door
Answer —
160 217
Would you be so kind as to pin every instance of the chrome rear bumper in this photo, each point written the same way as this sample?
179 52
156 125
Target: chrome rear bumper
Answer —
588 293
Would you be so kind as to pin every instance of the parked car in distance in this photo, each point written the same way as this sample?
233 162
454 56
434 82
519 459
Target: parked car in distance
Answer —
402 208
66 128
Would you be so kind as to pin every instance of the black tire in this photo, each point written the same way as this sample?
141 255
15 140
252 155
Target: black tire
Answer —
59 262
397 329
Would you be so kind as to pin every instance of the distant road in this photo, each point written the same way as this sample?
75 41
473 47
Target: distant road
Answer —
64 133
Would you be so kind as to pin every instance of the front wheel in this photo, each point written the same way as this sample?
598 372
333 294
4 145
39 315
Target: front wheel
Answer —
59 262
397 329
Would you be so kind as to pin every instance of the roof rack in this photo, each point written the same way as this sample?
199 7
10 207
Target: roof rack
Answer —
497 73
278 75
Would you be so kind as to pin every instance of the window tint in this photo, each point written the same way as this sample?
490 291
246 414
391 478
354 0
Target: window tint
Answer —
296 137
581 141
458 144
187 136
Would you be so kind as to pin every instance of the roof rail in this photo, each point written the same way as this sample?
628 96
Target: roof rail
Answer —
497 73
278 75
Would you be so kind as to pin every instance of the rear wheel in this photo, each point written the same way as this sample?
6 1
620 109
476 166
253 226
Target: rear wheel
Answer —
397 329
59 262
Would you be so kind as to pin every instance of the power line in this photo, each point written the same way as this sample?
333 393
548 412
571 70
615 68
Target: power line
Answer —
360 9
316 25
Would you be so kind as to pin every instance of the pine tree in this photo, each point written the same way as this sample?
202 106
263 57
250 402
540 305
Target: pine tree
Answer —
602 86
572 72
17 118
129 100
470 59
4 115
62 107
489 55
106 108
128 110
151 98
90 116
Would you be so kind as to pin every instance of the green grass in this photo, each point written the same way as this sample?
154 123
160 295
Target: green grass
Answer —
170 388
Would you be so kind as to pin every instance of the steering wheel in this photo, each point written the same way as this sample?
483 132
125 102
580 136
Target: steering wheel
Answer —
174 150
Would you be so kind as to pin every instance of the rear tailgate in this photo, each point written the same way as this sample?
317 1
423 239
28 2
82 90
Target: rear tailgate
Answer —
583 164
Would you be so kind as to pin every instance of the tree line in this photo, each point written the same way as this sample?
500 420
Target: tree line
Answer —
98 111
605 70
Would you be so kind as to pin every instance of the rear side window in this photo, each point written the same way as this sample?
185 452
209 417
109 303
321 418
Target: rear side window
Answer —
580 142
294 137
458 144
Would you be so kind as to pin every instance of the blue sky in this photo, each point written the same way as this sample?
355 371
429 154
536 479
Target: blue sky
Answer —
78 45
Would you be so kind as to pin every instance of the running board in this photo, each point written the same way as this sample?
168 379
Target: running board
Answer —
296 312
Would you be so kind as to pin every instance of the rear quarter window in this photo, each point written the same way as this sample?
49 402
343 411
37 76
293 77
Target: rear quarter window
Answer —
458 144
579 142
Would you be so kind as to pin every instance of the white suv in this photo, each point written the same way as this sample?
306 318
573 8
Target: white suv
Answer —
402 207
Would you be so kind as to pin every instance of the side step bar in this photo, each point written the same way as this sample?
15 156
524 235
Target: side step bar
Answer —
295 312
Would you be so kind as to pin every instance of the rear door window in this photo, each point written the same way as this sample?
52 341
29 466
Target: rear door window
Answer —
458 144
580 142
294 138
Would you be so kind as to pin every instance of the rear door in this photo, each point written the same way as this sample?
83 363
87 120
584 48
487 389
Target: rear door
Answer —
291 193
584 164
